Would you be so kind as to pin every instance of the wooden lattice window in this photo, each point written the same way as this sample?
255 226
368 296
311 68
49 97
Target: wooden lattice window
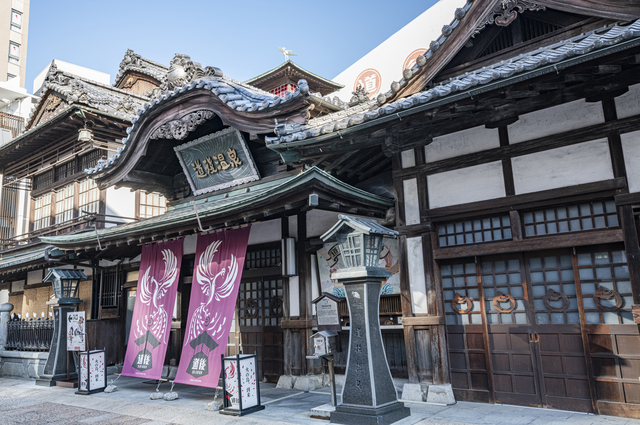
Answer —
42 212
65 170
572 218
604 279
65 203
505 302
256 259
554 289
42 180
151 204
475 231
460 284
88 197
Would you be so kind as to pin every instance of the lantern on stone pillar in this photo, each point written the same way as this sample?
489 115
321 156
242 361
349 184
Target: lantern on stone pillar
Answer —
65 290
368 394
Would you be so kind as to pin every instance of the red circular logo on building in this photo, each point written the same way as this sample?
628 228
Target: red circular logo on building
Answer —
371 80
411 59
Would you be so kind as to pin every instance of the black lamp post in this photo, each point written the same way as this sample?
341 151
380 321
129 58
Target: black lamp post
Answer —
368 394
65 290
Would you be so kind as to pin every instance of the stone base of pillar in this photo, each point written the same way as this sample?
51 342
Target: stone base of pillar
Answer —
356 415
441 394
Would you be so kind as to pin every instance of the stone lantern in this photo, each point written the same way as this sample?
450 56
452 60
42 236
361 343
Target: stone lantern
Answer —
368 394
65 290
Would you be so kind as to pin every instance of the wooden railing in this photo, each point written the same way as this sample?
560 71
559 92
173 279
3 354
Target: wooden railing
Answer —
12 122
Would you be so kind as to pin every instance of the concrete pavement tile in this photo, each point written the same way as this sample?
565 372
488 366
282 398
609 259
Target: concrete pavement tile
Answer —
431 421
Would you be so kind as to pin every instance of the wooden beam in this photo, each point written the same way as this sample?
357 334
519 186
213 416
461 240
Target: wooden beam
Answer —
423 320
566 240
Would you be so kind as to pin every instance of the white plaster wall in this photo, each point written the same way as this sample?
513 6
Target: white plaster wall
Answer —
470 184
34 277
319 221
293 227
120 202
411 204
4 296
557 119
417 281
631 152
17 285
463 142
628 104
294 296
576 164
266 231
189 245
408 158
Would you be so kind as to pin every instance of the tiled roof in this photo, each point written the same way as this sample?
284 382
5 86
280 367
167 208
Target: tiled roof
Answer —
134 62
22 257
234 94
293 135
77 90
215 206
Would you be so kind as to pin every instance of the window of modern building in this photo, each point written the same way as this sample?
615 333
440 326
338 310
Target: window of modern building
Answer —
14 52
42 212
16 21
10 77
150 204
64 203
89 197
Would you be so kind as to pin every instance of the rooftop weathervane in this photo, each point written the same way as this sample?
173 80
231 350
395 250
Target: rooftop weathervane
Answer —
286 53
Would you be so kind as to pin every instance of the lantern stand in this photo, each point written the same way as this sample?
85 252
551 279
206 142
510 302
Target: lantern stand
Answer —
368 395
65 290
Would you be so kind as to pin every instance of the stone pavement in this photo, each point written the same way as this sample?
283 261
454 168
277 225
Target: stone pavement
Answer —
21 402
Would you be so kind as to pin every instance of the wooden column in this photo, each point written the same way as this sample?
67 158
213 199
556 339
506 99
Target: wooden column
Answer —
405 288
435 302
286 305
625 212
304 277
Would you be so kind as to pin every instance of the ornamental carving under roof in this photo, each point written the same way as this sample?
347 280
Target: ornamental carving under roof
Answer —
180 128
505 12
182 71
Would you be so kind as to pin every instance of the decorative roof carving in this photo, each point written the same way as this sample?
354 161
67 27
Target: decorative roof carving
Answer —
360 95
134 62
183 71
71 89
506 12
180 128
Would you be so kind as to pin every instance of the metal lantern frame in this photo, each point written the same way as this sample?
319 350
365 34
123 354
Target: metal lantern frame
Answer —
89 389
241 411
65 283
359 239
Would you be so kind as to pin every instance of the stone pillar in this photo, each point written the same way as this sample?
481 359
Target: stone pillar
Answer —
5 310
56 367
368 395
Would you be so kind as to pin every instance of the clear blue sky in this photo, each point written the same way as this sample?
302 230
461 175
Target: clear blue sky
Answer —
240 37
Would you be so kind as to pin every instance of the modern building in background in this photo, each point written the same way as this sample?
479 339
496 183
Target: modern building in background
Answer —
14 28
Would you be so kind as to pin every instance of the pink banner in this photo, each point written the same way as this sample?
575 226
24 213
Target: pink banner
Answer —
153 310
216 278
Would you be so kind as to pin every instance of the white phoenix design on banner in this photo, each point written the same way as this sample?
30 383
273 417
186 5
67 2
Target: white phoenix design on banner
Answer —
152 290
205 276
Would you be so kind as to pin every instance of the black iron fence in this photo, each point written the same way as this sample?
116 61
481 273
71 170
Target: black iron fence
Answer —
32 335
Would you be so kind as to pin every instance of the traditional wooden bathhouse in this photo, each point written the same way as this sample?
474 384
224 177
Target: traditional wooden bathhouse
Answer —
513 145
193 105
510 149
76 123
